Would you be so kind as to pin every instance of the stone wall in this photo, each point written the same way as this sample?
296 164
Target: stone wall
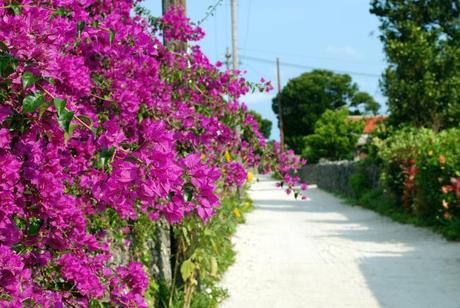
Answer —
335 176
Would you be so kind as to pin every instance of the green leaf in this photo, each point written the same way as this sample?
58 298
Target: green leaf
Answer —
50 80
103 157
68 134
28 79
16 9
214 267
20 222
32 102
7 62
62 12
95 304
64 120
4 63
187 269
111 36
34 226
188 193
60 105
3 46
80 27
42 110
86 119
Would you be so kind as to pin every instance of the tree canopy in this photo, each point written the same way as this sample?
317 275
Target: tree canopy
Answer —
335 137
422 44
305 98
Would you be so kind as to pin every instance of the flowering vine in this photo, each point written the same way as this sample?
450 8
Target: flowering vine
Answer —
97 114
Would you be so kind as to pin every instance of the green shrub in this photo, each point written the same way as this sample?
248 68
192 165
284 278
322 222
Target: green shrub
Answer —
358 183
420 177
417 164
383 203
335 137
203 252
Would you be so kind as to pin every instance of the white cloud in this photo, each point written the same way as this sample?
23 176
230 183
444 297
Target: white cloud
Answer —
343 52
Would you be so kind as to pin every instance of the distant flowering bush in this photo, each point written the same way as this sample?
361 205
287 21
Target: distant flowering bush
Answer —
97 114
423 167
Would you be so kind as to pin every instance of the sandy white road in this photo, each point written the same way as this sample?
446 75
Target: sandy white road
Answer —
321 253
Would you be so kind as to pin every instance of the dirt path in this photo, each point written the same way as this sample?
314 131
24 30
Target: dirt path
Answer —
321 253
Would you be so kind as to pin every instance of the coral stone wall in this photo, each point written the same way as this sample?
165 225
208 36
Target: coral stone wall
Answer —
335 176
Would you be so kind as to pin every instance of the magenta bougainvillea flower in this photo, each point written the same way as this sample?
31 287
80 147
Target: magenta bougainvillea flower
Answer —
97 114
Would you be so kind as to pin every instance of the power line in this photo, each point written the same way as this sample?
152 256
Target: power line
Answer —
254 68
216 37
212 9
302 66
298 55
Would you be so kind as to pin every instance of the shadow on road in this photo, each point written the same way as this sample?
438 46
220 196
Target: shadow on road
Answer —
403 266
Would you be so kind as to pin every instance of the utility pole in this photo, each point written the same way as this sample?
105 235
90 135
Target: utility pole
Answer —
228 56
280 108
164 247
168 3
234 9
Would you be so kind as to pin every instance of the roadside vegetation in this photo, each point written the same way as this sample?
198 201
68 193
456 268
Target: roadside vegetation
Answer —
417 148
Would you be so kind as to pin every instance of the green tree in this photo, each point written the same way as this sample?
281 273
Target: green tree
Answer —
335 136
365 101
265 125
422 43
305 98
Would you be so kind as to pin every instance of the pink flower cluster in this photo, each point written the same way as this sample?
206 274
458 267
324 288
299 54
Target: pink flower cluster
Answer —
96 113
285 165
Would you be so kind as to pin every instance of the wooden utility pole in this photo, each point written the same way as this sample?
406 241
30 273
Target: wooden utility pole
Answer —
280 108
161 250
168 3
234 9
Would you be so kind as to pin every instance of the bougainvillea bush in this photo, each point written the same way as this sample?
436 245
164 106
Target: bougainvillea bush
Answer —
98 118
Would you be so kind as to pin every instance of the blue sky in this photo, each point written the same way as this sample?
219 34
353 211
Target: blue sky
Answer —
340 35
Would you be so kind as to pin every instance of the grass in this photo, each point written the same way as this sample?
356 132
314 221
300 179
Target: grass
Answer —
377 200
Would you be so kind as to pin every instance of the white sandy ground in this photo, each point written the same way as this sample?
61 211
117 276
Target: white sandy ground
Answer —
322 253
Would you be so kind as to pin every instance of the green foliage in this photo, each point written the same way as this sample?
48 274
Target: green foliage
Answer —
367 102
418 168
32 102
375 141
386 203
64 117
28 79
141 234
8 63
265 126
305 98
358 183
422 44
204 252
334 138
418 165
